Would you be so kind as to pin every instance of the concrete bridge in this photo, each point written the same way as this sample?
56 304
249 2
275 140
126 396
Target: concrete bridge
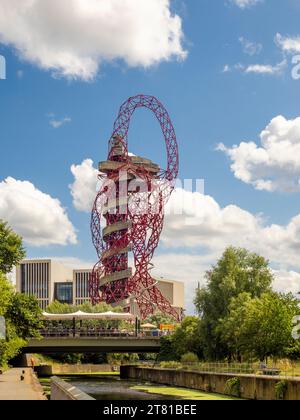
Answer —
93 345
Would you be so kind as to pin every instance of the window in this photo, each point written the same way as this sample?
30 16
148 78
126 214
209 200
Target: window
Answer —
63 292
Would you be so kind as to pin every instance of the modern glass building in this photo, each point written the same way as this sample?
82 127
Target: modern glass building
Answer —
50 280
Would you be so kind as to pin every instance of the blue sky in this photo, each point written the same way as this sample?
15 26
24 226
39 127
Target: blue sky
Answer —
213 94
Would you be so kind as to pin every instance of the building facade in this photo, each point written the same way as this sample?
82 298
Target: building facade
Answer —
49 281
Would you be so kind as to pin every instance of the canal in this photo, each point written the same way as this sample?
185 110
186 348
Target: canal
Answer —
112 388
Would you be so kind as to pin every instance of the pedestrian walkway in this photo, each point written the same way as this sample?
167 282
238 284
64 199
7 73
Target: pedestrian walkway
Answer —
13 388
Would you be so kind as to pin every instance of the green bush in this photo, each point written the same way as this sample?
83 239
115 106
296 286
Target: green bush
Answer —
281 389
10 349
189 358
233 387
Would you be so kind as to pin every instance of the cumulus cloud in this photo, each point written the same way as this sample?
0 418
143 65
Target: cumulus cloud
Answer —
244 4
189 269
72 38
273 166
208 227
84 187
205 229
37 217
286 281
288 44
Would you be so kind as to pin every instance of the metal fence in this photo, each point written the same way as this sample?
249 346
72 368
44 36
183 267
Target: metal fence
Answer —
286 369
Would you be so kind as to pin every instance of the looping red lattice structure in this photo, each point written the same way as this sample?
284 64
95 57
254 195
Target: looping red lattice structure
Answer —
130 204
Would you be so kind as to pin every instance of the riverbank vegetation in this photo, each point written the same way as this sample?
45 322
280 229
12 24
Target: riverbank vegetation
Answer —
240 317
21 312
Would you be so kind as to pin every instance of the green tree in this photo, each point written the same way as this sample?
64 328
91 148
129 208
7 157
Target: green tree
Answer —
21 313
167 349
260 327
267 327
159 318
11 248
186 338
230 327
60 308
236 272
25 314
6 293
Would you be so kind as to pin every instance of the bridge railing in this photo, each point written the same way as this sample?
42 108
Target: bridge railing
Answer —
87 332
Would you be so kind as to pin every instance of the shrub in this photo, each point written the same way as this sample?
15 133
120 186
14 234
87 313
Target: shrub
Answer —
281 389
233 387
189 358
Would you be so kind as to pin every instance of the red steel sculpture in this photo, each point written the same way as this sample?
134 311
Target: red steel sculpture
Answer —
130 204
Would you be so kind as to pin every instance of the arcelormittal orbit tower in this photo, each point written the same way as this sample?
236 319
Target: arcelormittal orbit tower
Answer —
128 216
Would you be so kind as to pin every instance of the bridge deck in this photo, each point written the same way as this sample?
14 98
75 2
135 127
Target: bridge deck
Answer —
94 345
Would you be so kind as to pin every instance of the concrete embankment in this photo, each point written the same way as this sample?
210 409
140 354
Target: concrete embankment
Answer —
246 386
62 369
63 391
20 384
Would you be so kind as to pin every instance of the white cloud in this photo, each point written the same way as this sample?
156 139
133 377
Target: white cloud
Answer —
207 228
244 4
84 187
57 123
37 217
272 70
72 38
288 44
187 268
259 69
73 262
226 68
275 166
286 281
249 47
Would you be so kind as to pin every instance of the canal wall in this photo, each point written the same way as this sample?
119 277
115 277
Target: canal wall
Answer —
57 369
251 387
63 391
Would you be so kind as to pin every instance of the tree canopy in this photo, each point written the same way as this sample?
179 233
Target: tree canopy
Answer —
23 320
22 313
238 271
11 248
260 327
